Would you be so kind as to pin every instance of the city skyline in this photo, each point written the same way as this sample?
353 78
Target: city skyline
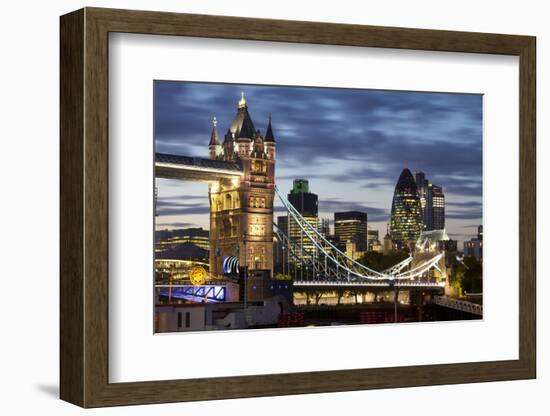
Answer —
357 143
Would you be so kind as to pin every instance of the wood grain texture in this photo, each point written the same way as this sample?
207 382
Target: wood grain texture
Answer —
527 208
71 208
84 207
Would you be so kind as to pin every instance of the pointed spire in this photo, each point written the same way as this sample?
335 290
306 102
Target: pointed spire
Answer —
228 146
228 136
242 101
269 137
242 125
247 129
214 140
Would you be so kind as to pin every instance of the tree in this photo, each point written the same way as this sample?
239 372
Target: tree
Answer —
472 281
467 276
456 277
378 261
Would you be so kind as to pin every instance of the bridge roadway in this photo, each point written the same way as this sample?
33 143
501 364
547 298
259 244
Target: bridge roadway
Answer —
316 284
195 168
334 284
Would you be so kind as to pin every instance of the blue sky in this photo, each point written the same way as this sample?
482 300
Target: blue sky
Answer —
351 144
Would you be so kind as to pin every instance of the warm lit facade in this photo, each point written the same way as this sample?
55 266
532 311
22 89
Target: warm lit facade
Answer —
241 211
175 269
406 211
351 225
352 251
306 203
167 239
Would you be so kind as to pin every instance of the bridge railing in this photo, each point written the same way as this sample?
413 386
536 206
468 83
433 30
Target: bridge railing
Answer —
331 261
458 304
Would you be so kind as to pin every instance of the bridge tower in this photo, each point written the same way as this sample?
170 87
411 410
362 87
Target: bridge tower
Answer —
241 211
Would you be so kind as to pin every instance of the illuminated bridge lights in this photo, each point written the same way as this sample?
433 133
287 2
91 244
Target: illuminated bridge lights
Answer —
326 260
231 265
203 293
309 283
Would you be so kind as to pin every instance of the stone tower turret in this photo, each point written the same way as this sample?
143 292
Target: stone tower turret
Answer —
241 210
269 141
214 147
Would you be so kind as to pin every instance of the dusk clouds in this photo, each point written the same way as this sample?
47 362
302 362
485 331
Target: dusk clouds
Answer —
351 144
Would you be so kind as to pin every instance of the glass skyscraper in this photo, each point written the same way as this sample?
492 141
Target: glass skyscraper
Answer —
432 203
437 200
406 211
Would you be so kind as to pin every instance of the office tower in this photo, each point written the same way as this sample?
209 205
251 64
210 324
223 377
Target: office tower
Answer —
406 211
437 203
422 188
282 224
432 203
306 203
351 225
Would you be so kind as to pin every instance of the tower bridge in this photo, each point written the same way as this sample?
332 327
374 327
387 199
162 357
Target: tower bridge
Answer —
242 289
240 173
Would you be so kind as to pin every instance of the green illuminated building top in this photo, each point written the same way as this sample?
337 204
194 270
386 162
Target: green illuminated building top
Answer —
300 186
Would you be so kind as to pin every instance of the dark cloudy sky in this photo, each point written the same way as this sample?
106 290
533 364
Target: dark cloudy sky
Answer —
351 144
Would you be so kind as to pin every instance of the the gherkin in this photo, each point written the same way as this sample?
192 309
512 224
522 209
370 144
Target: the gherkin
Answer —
406 213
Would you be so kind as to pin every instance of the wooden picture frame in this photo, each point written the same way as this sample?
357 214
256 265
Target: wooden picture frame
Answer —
84 207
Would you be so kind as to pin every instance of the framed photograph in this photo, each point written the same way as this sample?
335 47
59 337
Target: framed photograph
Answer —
255 207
